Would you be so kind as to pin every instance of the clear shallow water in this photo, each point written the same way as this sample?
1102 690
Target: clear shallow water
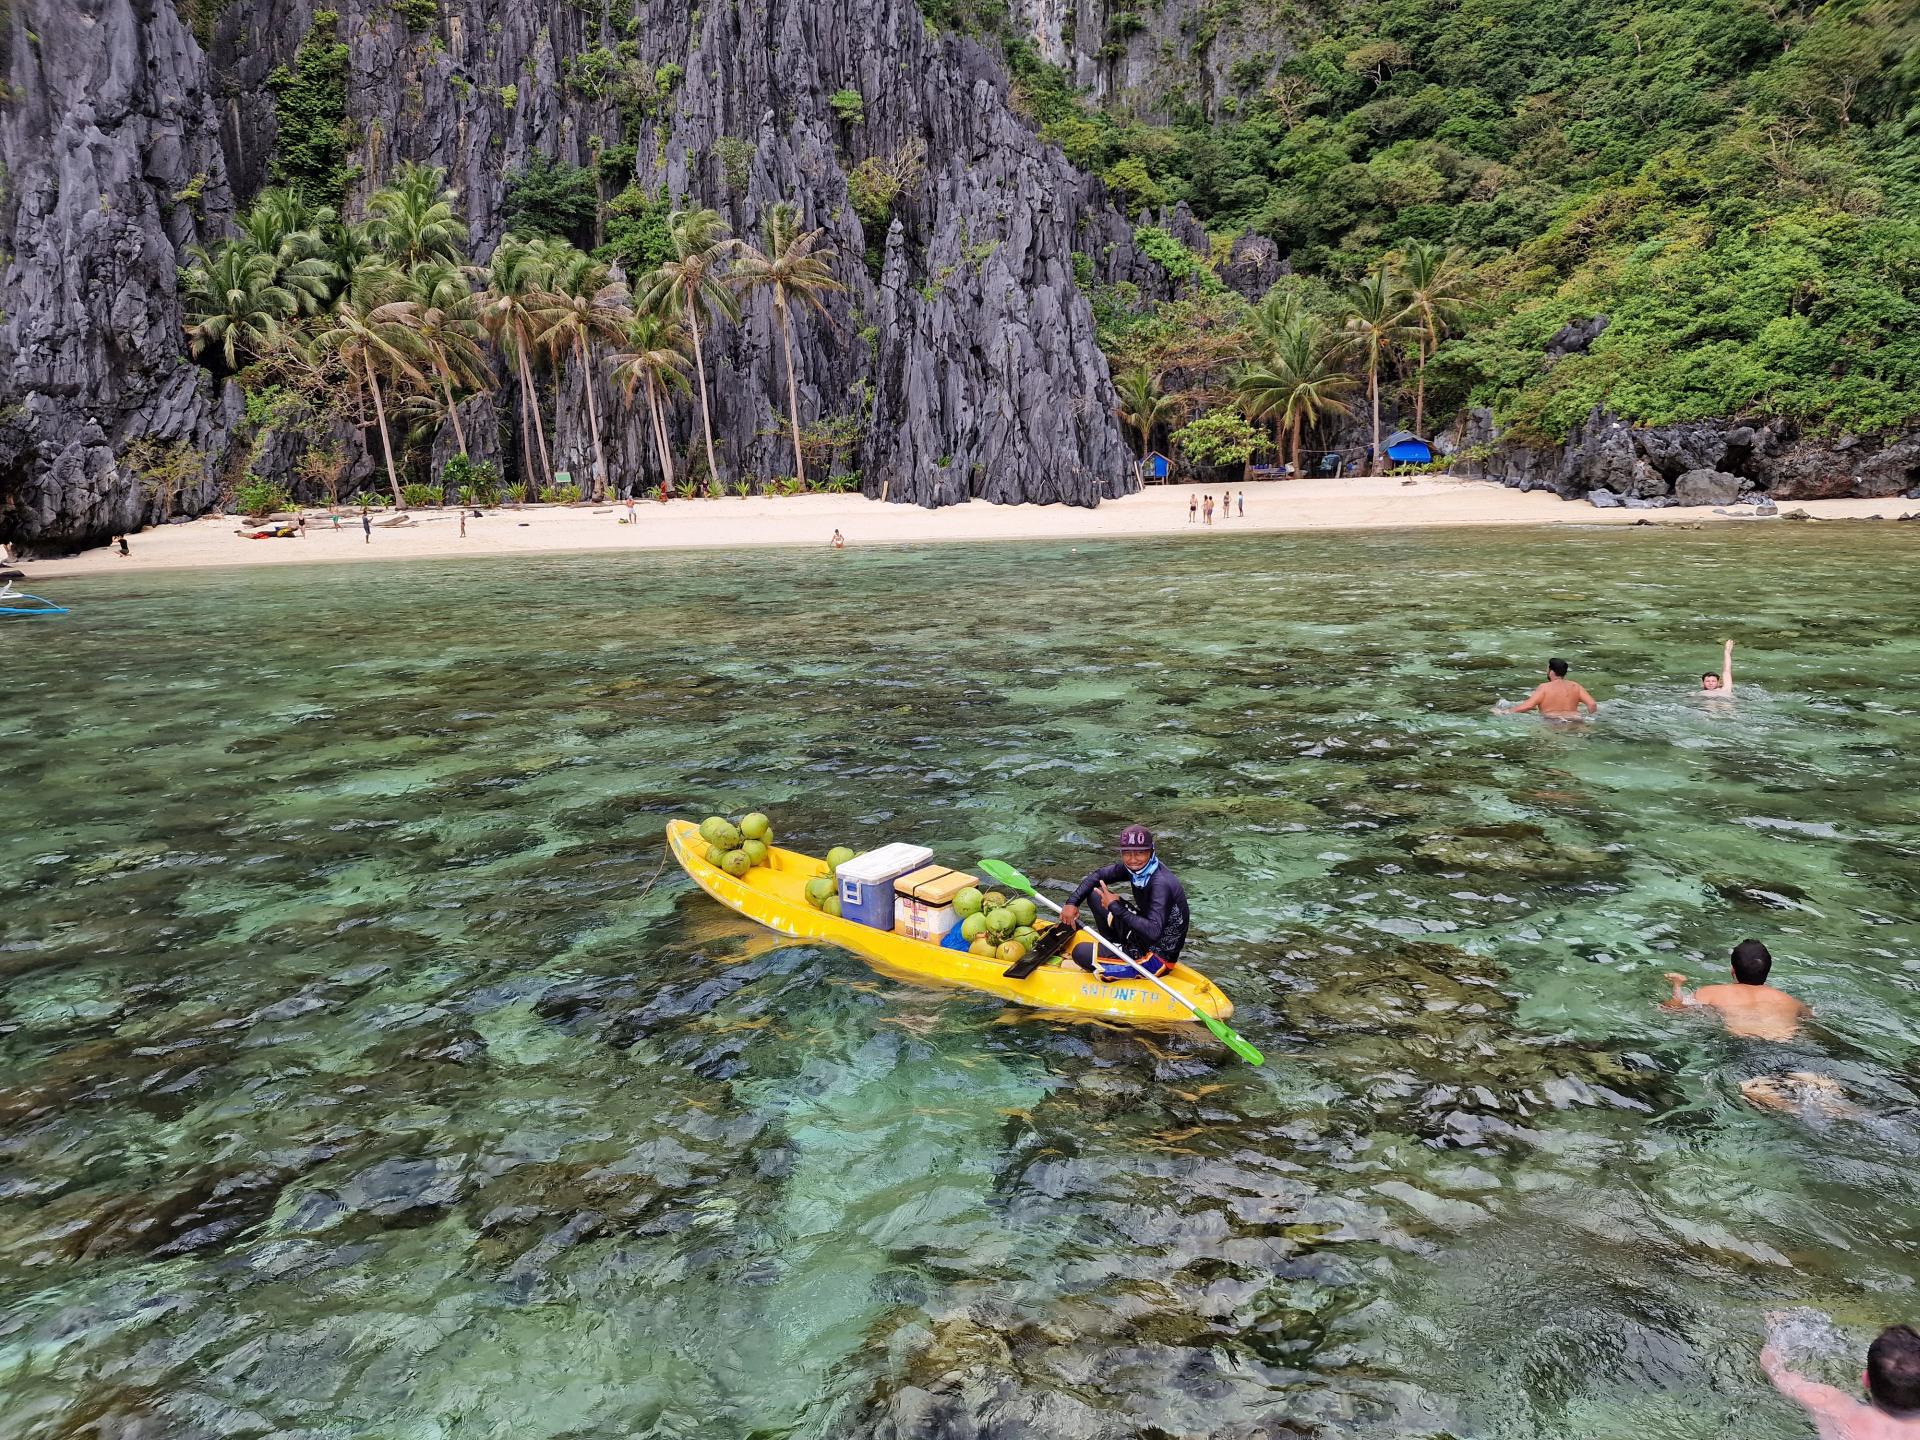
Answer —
355 1083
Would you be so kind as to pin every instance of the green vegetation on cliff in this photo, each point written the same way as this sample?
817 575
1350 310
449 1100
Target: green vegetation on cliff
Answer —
1734 184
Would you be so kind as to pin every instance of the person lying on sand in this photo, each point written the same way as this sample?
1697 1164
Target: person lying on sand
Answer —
1750 1007
1890 1409
1559 698
1721 684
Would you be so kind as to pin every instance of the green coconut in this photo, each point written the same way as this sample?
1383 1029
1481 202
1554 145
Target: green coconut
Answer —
756 850
993 900
830 905
736 862
974 926
1025 912
715 855
1000 921
838 856
1026 935
726 835
983 947
968 902
756 826
818 889
712 828
1010 951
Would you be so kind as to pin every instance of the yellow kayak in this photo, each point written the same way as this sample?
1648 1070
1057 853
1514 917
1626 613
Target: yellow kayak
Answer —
774 895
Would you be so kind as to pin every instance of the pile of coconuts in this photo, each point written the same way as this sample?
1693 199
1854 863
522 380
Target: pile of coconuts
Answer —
996 927
823 891
737 846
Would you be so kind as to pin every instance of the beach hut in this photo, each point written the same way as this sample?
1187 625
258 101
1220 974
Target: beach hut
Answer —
1406 448
1158 466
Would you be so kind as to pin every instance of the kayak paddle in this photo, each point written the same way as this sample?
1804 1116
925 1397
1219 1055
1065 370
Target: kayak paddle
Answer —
1006 875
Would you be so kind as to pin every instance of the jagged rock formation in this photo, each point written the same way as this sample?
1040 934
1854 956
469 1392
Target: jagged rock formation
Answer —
111 152
1145 57
1701 462
970 356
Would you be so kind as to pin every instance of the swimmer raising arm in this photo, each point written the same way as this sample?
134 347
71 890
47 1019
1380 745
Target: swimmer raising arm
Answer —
1721 684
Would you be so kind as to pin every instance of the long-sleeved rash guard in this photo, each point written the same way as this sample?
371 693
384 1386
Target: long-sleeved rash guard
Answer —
1158 920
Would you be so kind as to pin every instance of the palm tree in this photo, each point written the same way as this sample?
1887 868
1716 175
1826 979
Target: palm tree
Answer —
1376 325
1142 405
414 218
795 267
582 303
439 308
1434 292
234 303
516 276
658 360
282 225
1302 382
368 328
691 282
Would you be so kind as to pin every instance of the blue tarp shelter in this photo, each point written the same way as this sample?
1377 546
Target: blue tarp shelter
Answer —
1406 448
1158 466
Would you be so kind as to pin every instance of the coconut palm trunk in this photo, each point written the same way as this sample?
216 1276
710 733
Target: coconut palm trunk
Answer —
453 414
1420 391
1296 444
533 404
660 432
1373 391
706 416
386 444
793 390
593 420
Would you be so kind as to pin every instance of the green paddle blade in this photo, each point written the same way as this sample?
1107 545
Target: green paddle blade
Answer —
1232 1039
1007 875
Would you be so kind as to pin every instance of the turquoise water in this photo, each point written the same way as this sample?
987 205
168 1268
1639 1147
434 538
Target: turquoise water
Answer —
364 1073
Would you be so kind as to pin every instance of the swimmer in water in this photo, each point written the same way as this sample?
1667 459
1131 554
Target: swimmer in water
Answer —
1750 1007
1721 684
1558 699
1891 1407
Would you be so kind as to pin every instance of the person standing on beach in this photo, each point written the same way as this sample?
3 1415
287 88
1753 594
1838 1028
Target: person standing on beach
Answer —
366 523
1206 508
1721 684
1243 504
463 524
1558 699
633 505
1193 508
839 541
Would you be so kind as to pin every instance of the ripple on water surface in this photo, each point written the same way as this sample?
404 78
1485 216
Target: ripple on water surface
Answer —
356 1081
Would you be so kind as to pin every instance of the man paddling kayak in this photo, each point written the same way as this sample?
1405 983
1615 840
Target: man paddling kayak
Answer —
1152 928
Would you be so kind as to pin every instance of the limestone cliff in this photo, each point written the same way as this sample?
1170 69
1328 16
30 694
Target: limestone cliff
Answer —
969 357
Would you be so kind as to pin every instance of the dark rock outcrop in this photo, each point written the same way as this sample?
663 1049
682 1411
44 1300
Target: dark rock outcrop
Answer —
1694 462
1707 487
1575 336
113 163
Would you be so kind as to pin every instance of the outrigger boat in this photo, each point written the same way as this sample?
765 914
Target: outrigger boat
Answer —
774 895
18 602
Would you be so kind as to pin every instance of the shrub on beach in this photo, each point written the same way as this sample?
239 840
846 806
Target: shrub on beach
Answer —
261 497
561 494
420 495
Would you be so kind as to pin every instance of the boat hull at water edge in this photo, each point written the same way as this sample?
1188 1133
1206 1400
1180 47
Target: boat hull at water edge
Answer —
774 895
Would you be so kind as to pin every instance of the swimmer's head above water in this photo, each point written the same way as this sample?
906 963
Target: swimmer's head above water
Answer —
1557 668
1751 962
1893 1368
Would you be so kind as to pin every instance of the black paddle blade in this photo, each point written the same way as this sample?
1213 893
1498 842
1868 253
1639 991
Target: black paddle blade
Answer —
1051 943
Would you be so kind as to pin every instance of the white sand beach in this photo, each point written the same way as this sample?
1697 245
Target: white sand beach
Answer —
1272 506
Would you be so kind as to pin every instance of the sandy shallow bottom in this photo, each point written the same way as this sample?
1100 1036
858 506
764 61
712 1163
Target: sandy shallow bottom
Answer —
1354 504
